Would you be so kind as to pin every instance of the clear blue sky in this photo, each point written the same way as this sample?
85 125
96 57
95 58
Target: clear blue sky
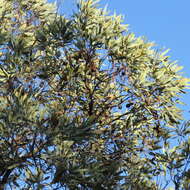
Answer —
166 22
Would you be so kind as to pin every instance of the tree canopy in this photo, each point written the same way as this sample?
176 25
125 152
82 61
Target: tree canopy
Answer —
85 104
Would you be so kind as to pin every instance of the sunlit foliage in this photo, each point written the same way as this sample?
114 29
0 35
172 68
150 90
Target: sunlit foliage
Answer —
84 104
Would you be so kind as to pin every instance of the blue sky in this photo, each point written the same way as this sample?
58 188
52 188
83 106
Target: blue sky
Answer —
164 22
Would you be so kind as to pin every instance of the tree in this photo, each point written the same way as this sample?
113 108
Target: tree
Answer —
85 104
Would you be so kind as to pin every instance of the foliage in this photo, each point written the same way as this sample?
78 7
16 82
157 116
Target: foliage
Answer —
85 104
